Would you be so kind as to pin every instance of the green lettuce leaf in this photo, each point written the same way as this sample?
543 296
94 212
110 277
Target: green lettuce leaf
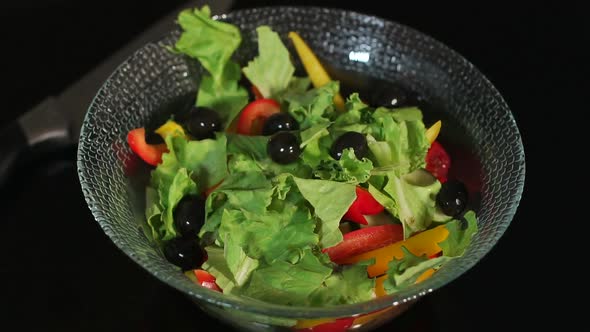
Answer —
397 139
312 107
414 197
404 272
210 41
216 264
205 159
350 285
461 232
213 43
183 171
271 71
270 236
247 190
330 201
348 169
153 213
226 96
315 142
288 283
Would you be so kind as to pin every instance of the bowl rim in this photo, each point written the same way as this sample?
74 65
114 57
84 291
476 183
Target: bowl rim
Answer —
398 299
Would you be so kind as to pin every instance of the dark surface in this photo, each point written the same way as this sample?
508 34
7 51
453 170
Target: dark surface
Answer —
61 273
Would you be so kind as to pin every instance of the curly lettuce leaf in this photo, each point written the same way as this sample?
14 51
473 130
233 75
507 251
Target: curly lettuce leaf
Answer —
271 70
414 199
247 189
312 107
288 283
226 96
205 159
315 143
186 169
406 271
461 232
347 169
330 201
272 236
350 285
213 43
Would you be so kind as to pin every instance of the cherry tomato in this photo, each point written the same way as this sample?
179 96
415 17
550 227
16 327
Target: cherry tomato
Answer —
438 161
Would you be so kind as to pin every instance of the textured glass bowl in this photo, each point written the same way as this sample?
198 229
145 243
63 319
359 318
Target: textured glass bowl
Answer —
357 49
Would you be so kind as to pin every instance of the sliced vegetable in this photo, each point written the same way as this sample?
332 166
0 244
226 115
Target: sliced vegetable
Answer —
151 154
170 127
438 161
206 279
364 204
363 240
338 325
317 74
433 131
424 243
254 115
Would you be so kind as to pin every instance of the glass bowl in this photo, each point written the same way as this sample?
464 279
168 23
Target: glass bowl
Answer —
362 52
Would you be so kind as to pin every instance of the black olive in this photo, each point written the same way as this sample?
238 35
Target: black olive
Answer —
392 96
283 147
203 122
350 139
153 138
189 215
279 122
452 198
184 253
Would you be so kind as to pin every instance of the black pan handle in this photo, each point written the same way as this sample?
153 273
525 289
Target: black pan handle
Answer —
33 135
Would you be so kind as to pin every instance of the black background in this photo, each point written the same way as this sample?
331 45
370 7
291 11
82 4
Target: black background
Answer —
61 273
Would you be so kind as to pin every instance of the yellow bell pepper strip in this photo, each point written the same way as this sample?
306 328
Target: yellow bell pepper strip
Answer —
432 132
424 243
317 73
170 128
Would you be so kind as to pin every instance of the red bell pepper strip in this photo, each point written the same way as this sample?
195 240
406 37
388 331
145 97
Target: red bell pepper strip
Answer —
363 240
254 115
151 154
206 279
364 204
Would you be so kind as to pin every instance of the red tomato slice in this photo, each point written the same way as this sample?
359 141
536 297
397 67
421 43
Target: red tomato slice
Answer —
254 114
363 240
339 325
206 279
363 204
438 161
151 154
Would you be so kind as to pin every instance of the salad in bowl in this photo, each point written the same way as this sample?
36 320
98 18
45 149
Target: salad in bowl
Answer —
277 187
273 189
